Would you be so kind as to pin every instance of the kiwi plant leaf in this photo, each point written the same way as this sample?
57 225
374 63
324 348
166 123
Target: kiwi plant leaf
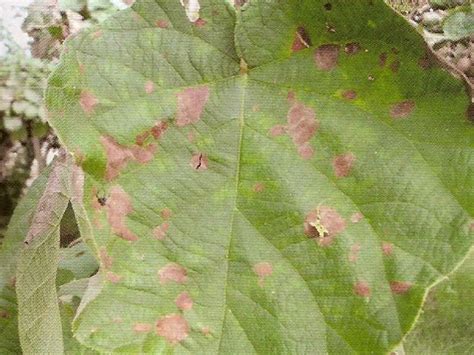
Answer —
266 177
9 251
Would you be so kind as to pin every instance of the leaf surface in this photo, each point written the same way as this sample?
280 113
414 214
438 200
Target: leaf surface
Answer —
284 177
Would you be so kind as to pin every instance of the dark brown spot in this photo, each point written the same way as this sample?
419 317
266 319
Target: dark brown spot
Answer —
328 6
162 23
426 61
342 164
149 87
88 102
323 224
357 217
105 259
291 96
402 109
302 126
199 162
258 187
159 129
141 138
118 207
81 253
383 59
362 289
395 66
349 95
277 130
142 327
173 273
165 213
113 277
200 22
326 56
400 287
262 269
118 156
387 248
174 328
301 41
354 253
184 301
4 314
352 48
191 102
160 231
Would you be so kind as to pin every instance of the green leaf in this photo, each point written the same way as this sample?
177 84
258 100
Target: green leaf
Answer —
445 326
284 177
10 248
459 24
38 310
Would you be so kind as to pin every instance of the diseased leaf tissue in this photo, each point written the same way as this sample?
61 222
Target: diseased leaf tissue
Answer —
303 205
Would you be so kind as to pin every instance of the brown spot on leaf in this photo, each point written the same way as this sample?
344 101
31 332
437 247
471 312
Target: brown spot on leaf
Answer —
174 328
349 95
165 213
387 248
160 231
357 217
402 109
326 56
200 22
362 289
301 41
400 287
323 224
354 253
118 207
141 138
173 273
118 156
262 269
142 327
206 331
277 130
88 102
352 48
162 23
159 129
306 151
191 102
291 96
302 123
199 162
342 164
149 87
113 277
184 301
97 34
258 187
4 314
395 66
105 259
383 59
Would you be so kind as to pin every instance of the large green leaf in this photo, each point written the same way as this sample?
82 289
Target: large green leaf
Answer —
10 248
280 177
